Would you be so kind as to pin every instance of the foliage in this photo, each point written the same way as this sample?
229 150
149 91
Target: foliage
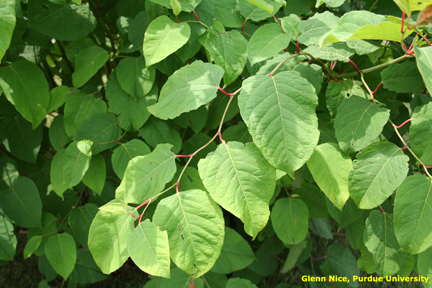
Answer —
217 143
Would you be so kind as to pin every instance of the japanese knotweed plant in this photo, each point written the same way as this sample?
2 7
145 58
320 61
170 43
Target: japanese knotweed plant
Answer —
255 140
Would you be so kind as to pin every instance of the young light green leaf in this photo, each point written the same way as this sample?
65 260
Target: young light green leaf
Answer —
315 27
290 218
241 181
176 7
88 62
8 240
424 64
358 122
413 214
31 246
379 238
61 252
229 50
80 219
256 13
267 41
134 77
280 114
330 169
195 227
187 89
85 147
236 253
378 171
420 132
383 31
147 175
148 247
116 206
402 78
108 239
79 108
26 87
156 132
162 38
262 4
22 203
126 152
7 25
67 168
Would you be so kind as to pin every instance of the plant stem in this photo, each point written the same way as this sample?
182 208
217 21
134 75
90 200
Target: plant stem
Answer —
375 68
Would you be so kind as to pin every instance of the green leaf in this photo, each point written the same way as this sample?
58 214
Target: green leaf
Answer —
424 265
116 206
86 270
20 139
196 119
80 219
225 11
61 253
267 41
237 133
350 213
186 5
424 64
413 214
330 169
149 249
315 27
383 31
195 227
134 77
22 203
195 143
156 132
8 240
79 108
229 50
240 283
48 226
31 246
7 25
187 89
176 6
342 262
241 181
179 279
420 132
280 114
338 91
262 4
26 87
290 220
314 198
146 176
62 22
332 52
132 111
402 78
378 171
250 10
102 129
236 253
108 239
379 238
126 152
59 95
9 173
88 62
162 38
85 147
358 122
68 168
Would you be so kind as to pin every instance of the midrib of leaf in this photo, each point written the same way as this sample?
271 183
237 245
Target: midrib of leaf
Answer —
26 93
161 163
23 136
151 248
89 63
280 112
270 43
102 132
430 65
361 120
328 166
163 40
51 14
20 201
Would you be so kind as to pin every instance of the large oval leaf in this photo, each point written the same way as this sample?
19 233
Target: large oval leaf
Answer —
420 132
80 220
134 77
88 61
108 239
195 227
378 171
149 249
187 89
162 38
280 114
424 64
241 181
330 169
61 252
413 214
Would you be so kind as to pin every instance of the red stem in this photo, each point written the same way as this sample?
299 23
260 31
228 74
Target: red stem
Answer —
24 174
403 23
400 126
382 210
220 137
143 204
97 7
227 94
319 258
244 23
355 66
183 156
405 147
376 89
106 70
118 143
298 47
426 40
177 187
196 16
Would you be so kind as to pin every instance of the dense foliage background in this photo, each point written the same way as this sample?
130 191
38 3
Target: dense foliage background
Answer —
215 143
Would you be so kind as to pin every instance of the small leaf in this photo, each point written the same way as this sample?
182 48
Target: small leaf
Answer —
88 61
85 147
147 175
149 249
330 169
195 227
413 214
162 38
80 219
358 122
290 220
31 246
227 13
187 89
60 250
176 7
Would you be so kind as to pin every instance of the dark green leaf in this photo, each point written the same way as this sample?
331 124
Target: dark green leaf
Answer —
80 219
61 253
126 152
156 132
88 62
402 78
134 77
86 270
